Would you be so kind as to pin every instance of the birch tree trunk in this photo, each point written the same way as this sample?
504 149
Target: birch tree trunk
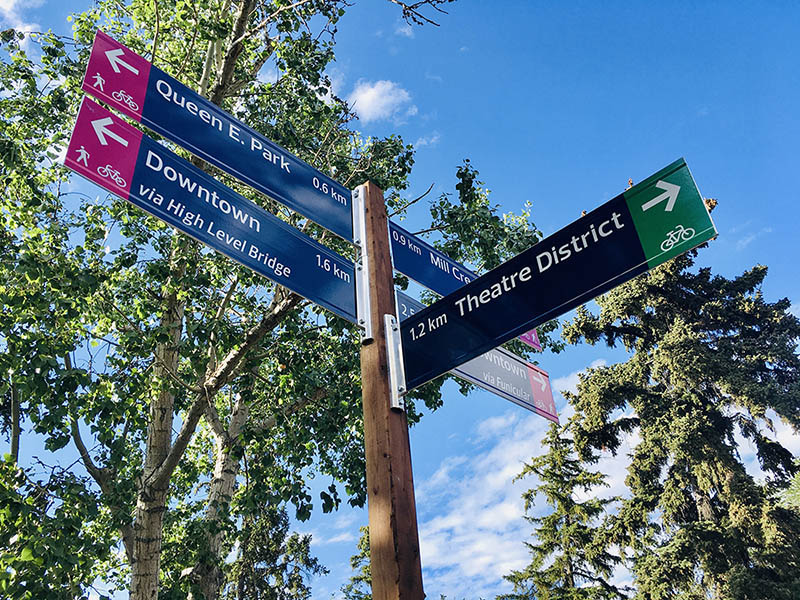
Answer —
152 494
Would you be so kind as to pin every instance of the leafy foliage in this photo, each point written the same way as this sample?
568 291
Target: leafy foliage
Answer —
115 328
359 586
34 563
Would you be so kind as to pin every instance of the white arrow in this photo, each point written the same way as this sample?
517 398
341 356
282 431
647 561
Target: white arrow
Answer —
115 58
540 380
101 130
670 195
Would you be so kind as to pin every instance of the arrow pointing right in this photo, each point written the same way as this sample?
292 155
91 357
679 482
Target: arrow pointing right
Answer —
670 195
115 58
540 380
101 129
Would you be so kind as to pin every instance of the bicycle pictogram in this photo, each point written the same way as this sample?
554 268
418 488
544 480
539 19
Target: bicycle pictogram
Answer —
123 96
676 236
112 174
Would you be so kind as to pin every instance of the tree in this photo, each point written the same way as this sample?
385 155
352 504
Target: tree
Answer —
710 359
570 559
116 329
359 587
272 565
791 496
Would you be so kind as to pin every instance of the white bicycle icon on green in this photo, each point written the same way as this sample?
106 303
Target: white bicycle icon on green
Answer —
676 236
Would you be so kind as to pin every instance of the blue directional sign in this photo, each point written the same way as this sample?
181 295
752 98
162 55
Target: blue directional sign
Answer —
424 264
499 371
648 224
118 157
435 270
132 85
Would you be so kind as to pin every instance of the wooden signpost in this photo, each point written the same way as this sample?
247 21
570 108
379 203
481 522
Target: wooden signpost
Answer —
626 236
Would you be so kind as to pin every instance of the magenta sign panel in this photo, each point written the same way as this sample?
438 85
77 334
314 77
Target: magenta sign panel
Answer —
532 339
130 84
104 149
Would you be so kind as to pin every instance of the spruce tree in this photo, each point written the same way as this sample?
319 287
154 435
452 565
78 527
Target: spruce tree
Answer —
711 360
359 586
569 559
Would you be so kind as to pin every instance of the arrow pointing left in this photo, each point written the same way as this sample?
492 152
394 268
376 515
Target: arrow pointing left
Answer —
101 129
115 58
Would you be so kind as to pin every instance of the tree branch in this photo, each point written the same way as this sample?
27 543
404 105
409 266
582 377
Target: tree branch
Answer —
104 479
267 20
191 44
214 383
157 31
15 426
412 202
225 71
411 12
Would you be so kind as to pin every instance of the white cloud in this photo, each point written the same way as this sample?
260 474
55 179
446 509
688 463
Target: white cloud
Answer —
405 30
346 521
428 140
494 425
345 536
11 14
374 101
433 77
569 383
745 241
474 532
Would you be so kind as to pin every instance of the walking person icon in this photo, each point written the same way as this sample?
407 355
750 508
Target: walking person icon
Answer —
83 156
99 82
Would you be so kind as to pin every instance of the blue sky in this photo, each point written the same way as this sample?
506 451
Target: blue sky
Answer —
559 105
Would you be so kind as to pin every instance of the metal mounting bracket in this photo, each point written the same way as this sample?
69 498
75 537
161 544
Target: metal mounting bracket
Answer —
394 354
363 300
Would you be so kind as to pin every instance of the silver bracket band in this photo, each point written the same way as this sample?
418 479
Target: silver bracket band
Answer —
394 354
363 302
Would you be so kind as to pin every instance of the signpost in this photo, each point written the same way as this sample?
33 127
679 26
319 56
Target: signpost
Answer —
499 371
118 157
130 84
648 224
641 228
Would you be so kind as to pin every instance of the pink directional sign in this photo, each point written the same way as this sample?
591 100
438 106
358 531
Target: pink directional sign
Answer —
104 149
118 157
542 392
130 84
532 339
117 76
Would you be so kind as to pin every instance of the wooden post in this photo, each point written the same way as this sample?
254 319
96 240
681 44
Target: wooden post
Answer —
394 542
